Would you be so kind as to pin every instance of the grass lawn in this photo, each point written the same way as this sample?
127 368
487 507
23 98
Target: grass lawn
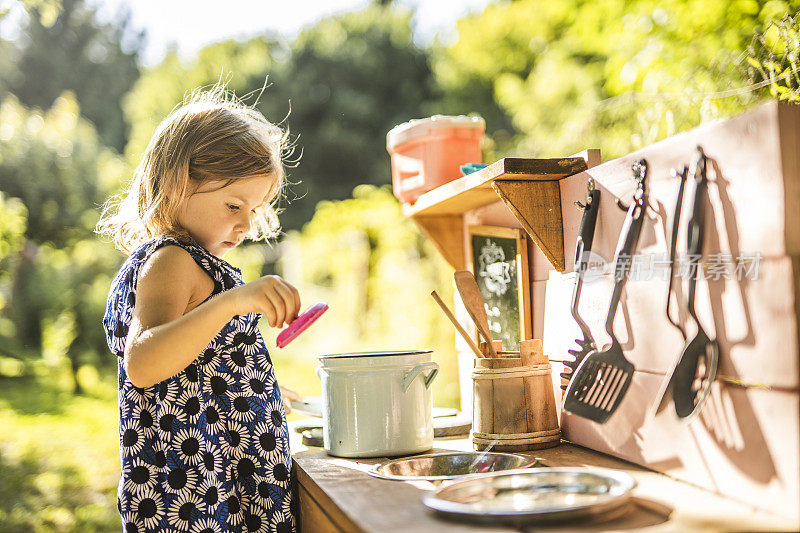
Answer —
59 463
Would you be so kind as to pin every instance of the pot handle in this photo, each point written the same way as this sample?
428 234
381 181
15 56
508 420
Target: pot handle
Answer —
409 376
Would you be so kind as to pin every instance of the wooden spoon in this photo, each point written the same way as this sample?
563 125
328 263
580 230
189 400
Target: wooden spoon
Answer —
460 330
473 301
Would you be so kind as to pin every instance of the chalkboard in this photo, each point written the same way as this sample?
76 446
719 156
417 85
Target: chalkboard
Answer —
499 261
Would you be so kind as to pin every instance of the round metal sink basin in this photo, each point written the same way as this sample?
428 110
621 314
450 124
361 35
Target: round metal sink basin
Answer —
449 465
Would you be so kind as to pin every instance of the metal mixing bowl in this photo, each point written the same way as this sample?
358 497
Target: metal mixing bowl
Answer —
448 465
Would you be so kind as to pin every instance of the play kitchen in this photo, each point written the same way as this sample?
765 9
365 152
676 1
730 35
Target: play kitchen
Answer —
646 378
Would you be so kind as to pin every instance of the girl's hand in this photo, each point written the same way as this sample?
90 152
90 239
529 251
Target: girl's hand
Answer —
271 295
288 394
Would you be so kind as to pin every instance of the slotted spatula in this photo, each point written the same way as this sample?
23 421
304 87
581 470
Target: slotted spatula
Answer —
582 249
603 377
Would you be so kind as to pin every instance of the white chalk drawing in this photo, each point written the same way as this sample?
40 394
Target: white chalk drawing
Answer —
494 269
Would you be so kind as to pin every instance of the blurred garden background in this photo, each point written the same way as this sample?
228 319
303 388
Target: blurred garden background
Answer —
78 104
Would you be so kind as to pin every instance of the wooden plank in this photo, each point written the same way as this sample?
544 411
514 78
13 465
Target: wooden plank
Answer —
754 321
537 206
509 415
661 503
483 405
789 132
322 500
474 190
747 189
313 518
446 232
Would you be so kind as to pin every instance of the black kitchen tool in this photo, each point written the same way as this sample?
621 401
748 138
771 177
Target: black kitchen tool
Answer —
582 249
602 379
673 242
665 391
697 366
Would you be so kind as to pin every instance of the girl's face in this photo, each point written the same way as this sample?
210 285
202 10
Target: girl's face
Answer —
219 218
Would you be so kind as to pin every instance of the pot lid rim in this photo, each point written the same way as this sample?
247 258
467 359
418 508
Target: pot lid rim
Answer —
355 355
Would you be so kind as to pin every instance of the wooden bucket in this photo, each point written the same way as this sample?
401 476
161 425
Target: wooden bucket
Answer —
514 407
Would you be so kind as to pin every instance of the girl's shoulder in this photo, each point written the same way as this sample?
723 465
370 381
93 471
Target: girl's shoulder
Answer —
172 277
173 264
167 259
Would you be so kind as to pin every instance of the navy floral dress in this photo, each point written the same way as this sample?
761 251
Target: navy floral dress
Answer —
206 450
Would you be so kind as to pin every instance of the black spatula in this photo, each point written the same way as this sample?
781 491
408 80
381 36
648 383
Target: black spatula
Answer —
602 379
582 249
697 366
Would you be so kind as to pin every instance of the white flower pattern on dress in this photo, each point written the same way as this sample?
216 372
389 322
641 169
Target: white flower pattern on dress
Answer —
149 507
139 476
183 510
257 383
131 437
189 445
169 420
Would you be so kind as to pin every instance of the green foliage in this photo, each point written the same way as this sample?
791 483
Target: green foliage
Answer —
75 52
616 75
13 219
350 79
342 84
54 162
774 57
56 282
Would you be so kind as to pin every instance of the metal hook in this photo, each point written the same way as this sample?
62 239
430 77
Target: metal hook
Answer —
639 169
589 189
682 174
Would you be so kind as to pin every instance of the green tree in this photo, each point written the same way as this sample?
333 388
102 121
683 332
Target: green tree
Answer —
341 86
13 219
616 74
54 163
96 61
350 79
774 58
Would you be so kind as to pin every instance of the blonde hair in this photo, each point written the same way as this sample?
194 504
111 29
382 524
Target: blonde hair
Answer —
211 136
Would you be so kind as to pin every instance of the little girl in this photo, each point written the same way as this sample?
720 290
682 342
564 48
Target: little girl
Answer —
203 438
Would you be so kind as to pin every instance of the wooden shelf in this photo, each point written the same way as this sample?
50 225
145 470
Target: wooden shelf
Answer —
528 187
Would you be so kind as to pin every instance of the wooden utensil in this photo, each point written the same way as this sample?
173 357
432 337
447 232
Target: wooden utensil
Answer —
459 329
473 301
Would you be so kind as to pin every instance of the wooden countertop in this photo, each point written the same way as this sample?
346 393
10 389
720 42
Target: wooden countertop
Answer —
355 501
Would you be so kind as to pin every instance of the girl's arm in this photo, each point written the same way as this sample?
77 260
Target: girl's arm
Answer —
170 327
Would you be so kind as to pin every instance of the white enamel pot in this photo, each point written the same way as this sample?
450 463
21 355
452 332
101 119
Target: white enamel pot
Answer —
377 404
